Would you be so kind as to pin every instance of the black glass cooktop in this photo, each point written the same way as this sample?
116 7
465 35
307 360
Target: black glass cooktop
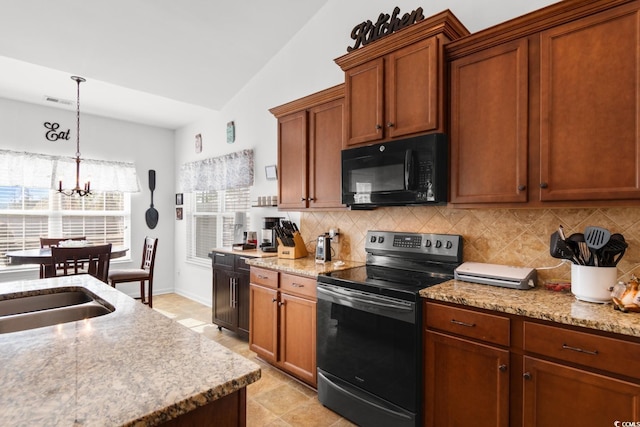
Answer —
397 283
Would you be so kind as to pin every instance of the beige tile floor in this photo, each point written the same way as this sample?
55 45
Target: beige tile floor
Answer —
276 399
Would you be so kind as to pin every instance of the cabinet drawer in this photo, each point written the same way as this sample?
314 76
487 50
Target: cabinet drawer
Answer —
223 260
264 277
468 323
298 285
609 354
241 262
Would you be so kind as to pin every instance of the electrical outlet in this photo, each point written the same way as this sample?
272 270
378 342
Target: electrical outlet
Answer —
334 233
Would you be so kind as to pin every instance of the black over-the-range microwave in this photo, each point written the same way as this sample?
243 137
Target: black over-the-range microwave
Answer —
412 171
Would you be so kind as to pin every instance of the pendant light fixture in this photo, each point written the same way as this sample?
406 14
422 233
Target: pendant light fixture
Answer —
86 191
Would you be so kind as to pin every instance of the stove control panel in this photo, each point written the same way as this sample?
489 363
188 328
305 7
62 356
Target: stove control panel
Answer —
430 245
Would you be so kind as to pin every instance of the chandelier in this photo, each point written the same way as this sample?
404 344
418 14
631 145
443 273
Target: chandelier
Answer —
86 191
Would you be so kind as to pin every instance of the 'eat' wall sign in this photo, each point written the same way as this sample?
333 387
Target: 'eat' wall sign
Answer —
367 31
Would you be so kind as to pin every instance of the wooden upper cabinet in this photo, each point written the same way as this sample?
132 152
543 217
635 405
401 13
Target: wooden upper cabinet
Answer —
394 86
310 137
365 103
413 83
292 160
326 132
545 108
589 108
489 125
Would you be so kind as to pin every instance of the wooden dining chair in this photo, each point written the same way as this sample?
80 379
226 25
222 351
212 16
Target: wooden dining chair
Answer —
142 274
47 242
96 258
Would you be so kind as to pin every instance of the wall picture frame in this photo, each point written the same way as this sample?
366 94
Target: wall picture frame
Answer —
179 199
271 172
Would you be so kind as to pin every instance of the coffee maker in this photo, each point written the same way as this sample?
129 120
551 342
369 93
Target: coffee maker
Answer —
268 241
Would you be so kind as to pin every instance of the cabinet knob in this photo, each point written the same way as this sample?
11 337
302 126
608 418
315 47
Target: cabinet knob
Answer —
274 300
526 375
302 199
378 127
310 199
280 304
502 368
390 125
522 187
543 185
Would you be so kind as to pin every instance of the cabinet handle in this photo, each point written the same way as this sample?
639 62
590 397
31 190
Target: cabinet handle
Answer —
526 375
580 350
543 185
390 125
297 285
260 276
310 199
280 304
221 255
468 325
231 292
502 368
378 127
302 199
522 187
274 300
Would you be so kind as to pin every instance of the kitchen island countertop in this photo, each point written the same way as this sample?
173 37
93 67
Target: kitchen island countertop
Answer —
134 366
537 303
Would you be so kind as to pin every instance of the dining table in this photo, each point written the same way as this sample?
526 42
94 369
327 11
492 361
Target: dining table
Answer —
43 255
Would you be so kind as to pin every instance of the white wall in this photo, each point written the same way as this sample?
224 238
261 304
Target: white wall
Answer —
22 129
304 66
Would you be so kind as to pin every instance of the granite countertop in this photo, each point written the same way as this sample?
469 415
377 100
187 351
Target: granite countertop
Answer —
253 253
537 303
306 266
134 366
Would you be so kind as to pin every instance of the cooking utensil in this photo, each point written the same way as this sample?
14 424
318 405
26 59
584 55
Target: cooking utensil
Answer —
613 251
151 215
596 238
582 253
558 248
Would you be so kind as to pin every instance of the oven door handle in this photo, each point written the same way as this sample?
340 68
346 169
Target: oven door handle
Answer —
397 310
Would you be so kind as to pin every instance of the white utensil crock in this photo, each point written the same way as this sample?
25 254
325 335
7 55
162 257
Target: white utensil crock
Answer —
593 284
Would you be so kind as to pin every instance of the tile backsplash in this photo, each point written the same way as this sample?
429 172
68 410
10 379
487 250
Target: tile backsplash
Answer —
517 237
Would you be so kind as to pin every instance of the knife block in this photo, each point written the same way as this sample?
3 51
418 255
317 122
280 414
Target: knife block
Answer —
293 252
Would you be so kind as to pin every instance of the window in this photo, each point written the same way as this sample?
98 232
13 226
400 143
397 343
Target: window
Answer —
211 220
26 214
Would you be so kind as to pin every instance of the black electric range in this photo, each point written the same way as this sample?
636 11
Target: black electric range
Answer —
369 333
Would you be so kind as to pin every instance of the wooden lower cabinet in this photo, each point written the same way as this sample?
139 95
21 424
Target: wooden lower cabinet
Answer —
537 374
283 322
558 395
228 411
474 378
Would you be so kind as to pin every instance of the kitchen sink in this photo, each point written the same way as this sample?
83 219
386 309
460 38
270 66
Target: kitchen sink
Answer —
50 307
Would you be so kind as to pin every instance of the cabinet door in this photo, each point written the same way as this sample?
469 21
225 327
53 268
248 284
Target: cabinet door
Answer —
590 108
224 312
412 89
365 103
298 337
489 125
292 161
467 383
556 395
325 143
263 322
243 301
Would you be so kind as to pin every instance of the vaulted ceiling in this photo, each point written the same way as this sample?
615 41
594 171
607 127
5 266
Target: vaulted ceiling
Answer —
159 62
